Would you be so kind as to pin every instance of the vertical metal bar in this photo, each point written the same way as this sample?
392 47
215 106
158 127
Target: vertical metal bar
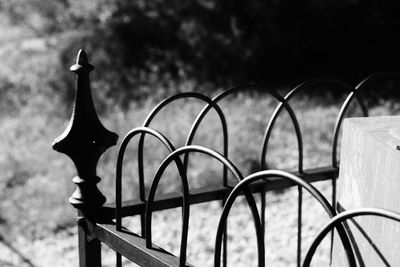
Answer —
118 178
89 248
225 240
118 260
262 215
263 206
299 224
334 206
142 224
225 248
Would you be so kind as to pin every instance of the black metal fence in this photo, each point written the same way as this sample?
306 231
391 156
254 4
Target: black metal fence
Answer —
86 139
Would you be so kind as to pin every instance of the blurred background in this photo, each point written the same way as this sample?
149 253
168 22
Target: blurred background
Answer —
144 51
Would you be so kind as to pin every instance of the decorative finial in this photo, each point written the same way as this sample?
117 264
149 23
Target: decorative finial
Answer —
84 141
82 63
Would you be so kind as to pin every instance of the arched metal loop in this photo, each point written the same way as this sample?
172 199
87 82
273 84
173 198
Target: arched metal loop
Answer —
293 92
152 115
339 120
268 131
278 110
308 84
157 177
346 104
218 98
120 159
336 222
375 76
273 174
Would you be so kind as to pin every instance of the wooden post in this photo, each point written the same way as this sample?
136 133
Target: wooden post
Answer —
84 141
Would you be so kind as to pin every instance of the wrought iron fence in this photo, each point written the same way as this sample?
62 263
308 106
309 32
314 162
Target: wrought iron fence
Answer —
85 140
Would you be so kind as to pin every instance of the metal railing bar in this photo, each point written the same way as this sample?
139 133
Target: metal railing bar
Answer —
185 208
213 192
120 159
215 155
334 185
339 120
225 240
155 111
263 207
375 76
368 239
225 133
299 223
285 104
309 83
303 86
132 246
336 222
166 201
285 175
118 181
195 127
215 100
263 166
268 132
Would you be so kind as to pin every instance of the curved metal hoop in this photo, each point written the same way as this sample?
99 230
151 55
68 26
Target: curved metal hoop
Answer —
120 159
303 86
235 172
341 217
339 120
184 182
268 132
346 104
218 98
270 174
376 76
155 111
285 104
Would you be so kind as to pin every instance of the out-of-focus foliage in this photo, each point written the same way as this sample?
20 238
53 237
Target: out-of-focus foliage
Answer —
278 42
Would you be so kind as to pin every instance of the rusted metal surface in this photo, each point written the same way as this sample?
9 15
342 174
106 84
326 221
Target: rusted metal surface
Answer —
85 140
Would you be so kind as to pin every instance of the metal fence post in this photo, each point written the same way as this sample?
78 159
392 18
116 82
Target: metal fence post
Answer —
84 141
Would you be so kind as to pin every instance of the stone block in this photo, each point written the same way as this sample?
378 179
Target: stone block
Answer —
369 176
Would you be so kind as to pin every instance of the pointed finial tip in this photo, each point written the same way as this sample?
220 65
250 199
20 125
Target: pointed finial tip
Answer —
82 57
82 63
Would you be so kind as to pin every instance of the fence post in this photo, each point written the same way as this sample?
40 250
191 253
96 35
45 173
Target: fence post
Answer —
84 141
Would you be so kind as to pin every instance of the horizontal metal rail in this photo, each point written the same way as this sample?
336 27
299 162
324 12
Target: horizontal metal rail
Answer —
130 245
217 192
